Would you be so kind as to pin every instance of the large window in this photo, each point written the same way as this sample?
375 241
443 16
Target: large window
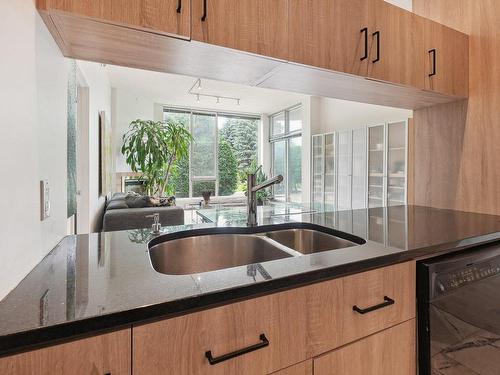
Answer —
286 141
225 144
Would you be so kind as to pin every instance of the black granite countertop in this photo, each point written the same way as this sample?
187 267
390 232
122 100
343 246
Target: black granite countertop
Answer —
91 283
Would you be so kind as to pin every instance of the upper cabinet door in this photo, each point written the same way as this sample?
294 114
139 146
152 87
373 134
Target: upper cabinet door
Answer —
446 59
162 16
396 43
330 34
257 26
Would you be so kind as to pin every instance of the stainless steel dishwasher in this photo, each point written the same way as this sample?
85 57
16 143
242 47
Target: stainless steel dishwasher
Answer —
459 313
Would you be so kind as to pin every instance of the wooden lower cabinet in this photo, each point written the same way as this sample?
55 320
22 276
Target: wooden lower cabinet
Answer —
332 320
180 345
303 368
99 355
390 352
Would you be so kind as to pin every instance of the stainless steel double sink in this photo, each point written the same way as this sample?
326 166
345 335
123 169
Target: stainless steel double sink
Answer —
211 249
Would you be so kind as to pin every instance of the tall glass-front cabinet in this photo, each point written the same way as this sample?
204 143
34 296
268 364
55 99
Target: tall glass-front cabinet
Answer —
387 164
324 179
360 168
318 170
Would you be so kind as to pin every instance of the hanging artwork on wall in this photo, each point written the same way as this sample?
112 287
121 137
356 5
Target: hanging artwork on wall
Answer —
105 155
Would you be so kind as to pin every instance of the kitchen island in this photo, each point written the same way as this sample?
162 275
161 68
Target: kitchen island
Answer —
90 284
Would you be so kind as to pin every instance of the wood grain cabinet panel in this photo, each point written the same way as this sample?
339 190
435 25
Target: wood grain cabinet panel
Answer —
370 289
396 45
390 352
162 16
332 322
303 368
329 34
104 354
446 59
179 345
257 26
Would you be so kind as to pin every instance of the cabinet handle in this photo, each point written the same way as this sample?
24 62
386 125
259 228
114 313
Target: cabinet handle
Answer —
376 34
179 6
433 53
365 31
204 16
387 302
214 360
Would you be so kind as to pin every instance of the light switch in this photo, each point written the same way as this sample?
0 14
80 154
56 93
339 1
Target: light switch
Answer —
44 200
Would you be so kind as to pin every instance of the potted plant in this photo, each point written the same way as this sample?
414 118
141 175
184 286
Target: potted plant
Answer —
152 148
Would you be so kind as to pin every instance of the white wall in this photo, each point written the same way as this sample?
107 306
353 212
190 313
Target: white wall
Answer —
126 108
406 4
33 93
336 115
99 88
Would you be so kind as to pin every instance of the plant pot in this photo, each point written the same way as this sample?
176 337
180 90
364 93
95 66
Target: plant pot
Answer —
206 198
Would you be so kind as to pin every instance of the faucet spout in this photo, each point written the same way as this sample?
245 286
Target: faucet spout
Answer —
252 190
275 180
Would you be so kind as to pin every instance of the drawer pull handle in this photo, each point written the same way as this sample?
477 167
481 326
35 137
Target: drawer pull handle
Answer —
214 360
365 32
433 53
179 6
387 302
376 34
204 16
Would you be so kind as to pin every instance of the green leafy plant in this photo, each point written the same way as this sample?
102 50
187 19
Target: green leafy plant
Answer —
152 148
264 194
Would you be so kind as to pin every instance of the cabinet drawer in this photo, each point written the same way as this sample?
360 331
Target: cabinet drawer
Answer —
371 293
180 345
390 352
104 354
344 310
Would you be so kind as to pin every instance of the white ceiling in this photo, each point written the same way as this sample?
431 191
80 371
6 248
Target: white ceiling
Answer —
172 89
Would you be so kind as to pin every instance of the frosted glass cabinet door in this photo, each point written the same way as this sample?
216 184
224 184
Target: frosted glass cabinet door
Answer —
330 169
317 169
358 168
396 163
376 165
344 157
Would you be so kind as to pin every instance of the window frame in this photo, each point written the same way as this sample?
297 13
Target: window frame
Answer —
286 136
194 111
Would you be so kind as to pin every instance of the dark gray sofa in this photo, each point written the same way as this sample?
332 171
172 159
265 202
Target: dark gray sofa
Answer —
119 216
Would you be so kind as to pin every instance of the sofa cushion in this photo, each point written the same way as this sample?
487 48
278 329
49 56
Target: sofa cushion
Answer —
137 201
116 204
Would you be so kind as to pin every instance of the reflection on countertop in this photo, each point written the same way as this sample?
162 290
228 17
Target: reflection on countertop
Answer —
97 281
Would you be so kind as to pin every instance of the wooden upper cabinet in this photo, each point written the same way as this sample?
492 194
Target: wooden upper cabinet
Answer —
171 17
396 42
446 55
99 355
257 26
329 34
